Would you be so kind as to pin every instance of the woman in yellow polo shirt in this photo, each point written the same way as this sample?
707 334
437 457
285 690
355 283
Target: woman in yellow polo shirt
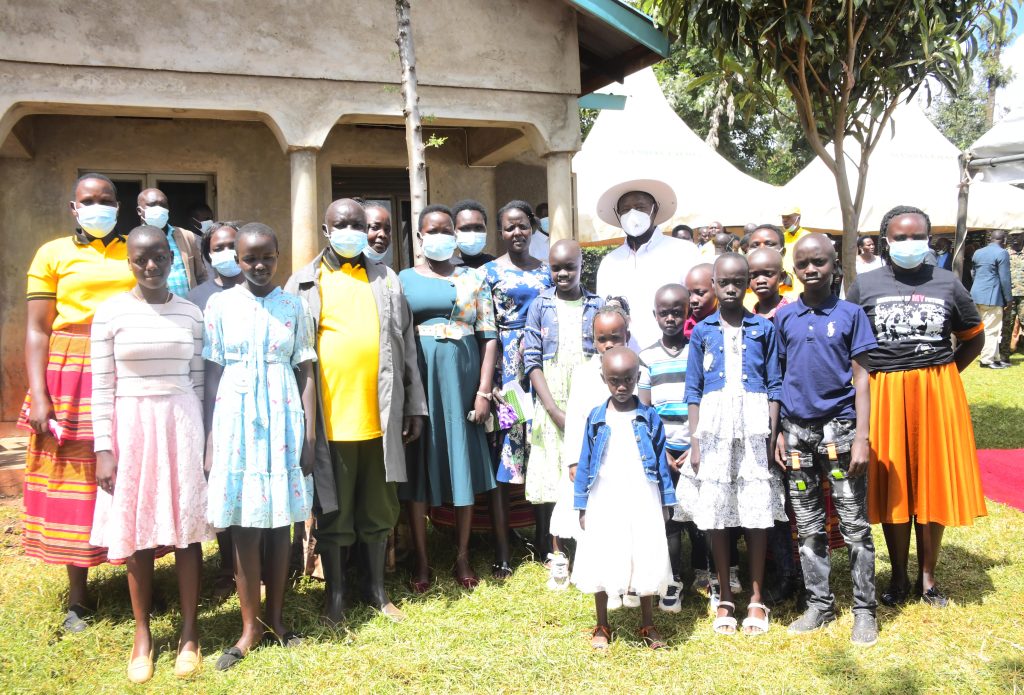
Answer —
69 277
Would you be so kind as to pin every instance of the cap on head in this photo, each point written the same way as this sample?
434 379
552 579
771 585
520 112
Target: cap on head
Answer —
662 193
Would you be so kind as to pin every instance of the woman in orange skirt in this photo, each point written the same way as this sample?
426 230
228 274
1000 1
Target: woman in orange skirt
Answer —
924 466
68 279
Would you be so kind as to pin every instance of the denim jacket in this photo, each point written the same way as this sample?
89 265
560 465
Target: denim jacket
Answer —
540 342
762 372
650 440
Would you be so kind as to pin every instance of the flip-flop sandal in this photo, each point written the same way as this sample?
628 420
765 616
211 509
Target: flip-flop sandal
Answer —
601 631
501 570
652 641
229 658
756 626
725 624
290 640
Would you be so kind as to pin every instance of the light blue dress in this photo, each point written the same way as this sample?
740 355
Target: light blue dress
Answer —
256 479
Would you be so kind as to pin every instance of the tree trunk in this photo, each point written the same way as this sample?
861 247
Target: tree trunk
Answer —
413 127
990 99
850 212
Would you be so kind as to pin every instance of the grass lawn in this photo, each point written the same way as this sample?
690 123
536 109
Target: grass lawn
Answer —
520 637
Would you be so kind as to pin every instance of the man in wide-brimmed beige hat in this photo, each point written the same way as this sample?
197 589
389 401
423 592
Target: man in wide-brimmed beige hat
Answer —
647 259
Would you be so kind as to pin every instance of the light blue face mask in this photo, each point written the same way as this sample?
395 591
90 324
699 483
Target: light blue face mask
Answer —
156 216
908 254
438 247
471 243
348 242
545 224
373 254
225 263
97 220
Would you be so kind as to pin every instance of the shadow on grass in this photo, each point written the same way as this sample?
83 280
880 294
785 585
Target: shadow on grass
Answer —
962 575
841 668
1009 671
997 426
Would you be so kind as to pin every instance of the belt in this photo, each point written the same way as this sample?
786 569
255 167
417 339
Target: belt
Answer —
445 331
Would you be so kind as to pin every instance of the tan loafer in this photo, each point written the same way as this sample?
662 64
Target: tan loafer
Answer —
140 669
187 663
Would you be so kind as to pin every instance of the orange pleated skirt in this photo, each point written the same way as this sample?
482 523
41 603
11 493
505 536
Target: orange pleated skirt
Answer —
924 463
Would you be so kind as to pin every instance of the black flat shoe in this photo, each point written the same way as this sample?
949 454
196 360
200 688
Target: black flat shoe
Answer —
229 658
934 598
895 596
501 570
77 619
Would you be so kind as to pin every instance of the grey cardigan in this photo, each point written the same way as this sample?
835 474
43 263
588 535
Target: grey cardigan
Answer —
399 388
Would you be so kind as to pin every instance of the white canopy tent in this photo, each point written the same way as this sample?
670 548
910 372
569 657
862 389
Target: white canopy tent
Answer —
989 153
648 140
913 164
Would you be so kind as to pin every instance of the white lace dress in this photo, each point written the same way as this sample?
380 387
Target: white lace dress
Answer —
735 486
623 547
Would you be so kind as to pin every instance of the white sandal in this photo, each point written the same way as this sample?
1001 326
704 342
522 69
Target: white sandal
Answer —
759 626
725 621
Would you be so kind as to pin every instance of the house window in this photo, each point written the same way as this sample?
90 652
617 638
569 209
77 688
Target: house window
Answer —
184 192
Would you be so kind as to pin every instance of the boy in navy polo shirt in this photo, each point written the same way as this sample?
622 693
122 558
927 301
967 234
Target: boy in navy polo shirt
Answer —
823 342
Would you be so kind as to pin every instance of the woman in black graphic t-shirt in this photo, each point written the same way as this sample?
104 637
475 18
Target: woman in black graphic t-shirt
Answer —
924 466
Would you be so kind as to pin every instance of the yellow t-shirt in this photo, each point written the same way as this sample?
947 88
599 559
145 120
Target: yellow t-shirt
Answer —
79 277
787 259
348 348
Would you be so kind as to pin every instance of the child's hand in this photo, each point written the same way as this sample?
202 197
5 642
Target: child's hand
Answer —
779 450
558 417
860 452
106 471
666 513
583 519
412 428
208 457
695 456
572 472
673 462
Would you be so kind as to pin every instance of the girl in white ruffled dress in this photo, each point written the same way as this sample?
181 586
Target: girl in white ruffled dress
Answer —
732 388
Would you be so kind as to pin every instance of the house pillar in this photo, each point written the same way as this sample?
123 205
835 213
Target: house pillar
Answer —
305 237
560 202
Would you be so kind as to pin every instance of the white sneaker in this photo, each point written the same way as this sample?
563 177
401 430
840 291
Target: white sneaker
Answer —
614 602
558 579
631 600
670 602
701 582
734 580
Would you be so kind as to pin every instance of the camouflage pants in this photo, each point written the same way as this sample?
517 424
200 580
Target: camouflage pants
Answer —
817 448
1016 312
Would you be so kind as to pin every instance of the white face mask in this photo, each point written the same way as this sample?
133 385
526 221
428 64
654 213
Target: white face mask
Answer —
635 222
97 220
205 226
225 262
156 216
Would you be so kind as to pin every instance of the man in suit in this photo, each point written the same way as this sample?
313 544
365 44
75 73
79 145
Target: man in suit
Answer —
991 291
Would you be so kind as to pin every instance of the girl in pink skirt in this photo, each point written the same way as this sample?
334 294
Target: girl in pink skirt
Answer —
148 421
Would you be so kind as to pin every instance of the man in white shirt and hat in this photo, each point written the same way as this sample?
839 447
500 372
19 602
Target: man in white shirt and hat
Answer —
647 259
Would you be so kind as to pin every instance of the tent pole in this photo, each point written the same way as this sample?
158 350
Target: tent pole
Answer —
961 215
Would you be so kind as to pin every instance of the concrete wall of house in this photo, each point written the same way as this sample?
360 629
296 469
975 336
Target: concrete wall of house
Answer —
459 43
252 179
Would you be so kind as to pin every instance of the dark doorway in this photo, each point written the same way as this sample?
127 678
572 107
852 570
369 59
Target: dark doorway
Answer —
183 196
127 200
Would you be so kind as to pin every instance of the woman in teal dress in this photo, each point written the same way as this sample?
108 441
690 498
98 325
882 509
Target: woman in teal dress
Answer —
454 320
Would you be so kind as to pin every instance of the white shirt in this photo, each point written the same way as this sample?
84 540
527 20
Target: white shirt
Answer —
539 242
638 275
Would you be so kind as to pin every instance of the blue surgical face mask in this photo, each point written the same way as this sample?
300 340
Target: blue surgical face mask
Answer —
908 254
438 247
545 223
373 254
471 243
225 263
97 220
348 242
156 216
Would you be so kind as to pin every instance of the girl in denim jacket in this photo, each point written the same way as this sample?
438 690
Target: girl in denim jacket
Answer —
559 337
733 387
623 491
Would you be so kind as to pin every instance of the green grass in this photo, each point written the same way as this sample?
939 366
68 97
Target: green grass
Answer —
997 404
520 637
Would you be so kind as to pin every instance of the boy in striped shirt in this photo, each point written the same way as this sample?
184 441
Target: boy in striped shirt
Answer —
663 386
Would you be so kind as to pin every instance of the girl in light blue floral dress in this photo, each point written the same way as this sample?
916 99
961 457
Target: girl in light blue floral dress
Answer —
259 421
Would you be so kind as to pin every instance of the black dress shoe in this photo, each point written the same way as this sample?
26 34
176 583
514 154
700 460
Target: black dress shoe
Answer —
995 365
895 595
933 597
77 618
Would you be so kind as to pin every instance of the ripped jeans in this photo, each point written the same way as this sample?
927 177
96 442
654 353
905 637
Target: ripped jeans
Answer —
817 448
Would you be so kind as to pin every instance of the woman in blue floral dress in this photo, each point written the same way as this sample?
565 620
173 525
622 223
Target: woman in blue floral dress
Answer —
259 426
515 280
